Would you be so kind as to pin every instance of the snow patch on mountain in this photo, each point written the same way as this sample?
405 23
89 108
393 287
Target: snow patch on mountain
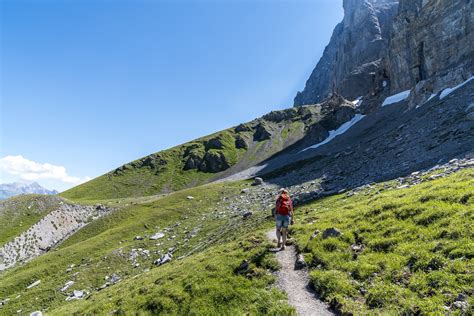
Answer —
341 130
396 98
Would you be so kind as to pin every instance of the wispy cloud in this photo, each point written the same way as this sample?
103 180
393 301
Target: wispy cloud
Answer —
32 171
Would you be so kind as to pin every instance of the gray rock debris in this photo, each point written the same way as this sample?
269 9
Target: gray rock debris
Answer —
48 232
37 282
331 232
157 236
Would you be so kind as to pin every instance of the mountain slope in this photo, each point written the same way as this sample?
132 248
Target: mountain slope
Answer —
388 218
218 155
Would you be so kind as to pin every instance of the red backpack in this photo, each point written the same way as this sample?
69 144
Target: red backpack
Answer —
283 205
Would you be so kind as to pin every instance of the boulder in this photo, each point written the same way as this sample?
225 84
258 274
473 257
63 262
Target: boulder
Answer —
114 278
331 232
36 313
67 285
300 263
157 236
33 284
315 234
243 267
257 181
138 238
245 190
247 215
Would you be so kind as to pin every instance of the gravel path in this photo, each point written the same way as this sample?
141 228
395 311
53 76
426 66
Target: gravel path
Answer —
295 284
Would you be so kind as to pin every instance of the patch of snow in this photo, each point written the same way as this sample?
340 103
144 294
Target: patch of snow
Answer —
396 98
448 91
429 99
341 130
385 83
357 102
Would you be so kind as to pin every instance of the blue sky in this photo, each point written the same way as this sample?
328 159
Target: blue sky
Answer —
89 85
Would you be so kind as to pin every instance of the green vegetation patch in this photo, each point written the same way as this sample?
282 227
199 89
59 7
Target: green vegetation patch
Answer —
209 283
402 251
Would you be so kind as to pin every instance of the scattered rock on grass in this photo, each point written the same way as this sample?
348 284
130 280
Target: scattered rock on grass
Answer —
331 232
157 236
243 267
33 284
67 285
316 233
300 262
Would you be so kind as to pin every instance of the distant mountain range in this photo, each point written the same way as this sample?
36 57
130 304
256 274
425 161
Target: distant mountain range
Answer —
11 189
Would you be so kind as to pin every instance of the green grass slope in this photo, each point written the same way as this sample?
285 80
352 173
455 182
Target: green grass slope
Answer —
418 247
105 247
217 155
18 213
208 283
415 255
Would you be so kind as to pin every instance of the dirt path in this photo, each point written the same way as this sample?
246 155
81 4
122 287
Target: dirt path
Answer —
295 284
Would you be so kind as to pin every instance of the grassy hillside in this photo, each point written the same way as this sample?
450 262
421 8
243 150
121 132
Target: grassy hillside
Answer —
161 172
18 213
220 154
107 246
402 251
417 247
208 283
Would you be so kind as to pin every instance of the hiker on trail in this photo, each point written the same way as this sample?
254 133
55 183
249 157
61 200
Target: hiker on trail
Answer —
283 217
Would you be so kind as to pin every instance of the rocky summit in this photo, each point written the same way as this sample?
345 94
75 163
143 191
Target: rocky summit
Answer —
378 157
384 47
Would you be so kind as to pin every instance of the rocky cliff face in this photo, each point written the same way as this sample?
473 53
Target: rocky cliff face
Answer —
353 59
431 44
383 47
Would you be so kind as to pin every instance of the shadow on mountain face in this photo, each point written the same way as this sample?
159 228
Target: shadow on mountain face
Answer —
388 143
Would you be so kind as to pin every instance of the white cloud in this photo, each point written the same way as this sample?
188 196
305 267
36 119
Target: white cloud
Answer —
32 171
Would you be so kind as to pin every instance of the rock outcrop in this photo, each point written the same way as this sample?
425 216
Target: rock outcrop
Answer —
384 47
431 44
49 232
353 60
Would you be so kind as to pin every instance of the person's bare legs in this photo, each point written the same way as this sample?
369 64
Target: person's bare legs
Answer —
284 232
278 233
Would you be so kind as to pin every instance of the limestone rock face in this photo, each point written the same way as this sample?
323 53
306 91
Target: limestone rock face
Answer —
352 61
384 47
431 40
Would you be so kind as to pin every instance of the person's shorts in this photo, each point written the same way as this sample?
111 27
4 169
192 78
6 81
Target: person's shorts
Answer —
282 220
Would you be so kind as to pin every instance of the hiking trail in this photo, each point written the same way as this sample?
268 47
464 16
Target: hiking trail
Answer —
295 283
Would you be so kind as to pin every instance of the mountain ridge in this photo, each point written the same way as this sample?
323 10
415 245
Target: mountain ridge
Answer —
17 188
